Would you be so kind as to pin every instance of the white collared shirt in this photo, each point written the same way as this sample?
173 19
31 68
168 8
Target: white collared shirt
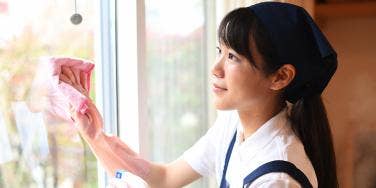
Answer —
272 141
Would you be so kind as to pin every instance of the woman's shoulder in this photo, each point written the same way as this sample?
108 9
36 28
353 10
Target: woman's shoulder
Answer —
291 149
287 146
293 152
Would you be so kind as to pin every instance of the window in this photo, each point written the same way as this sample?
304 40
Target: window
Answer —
176 77
165 49
151 77
37 149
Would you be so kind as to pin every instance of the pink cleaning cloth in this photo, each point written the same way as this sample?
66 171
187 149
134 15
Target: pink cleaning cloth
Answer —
61 95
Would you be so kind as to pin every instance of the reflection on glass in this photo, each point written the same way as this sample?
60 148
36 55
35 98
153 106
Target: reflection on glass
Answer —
37 148
6 153
176 77
32 134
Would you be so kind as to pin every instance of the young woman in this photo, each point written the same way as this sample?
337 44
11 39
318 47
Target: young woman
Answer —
272 129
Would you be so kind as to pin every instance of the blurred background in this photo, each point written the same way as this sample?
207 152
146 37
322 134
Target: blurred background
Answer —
38 149
153 60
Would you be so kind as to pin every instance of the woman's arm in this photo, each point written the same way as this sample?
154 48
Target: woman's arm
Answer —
116 155
175 174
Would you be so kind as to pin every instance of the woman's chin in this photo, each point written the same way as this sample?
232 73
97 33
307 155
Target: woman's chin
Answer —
220 105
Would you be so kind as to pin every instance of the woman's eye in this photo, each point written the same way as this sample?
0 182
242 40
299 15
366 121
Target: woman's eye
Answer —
219 51
233 57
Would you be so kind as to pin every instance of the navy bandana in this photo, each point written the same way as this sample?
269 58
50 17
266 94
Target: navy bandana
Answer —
298 42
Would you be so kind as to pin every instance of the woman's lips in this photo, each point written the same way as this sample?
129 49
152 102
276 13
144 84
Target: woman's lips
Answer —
218 89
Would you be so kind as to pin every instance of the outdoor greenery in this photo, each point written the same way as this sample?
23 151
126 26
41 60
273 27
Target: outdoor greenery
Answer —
70 162
176 81
177 95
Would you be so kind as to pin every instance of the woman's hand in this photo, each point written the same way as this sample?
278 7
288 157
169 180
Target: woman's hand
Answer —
90 124
75 78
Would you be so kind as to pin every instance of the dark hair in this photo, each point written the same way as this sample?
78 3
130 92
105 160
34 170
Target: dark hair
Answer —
308 116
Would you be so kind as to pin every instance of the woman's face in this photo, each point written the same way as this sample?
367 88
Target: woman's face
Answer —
236 83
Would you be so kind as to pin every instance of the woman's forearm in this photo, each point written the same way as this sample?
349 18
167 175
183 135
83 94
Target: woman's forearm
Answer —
115 155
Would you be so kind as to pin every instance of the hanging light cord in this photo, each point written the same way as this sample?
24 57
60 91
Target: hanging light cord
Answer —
76 18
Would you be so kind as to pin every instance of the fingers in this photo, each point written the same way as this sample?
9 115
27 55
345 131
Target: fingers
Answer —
87 117
83 80
76 74
83 119
88 128
65 79
94 114
68 73
79 118
90 116
90 123
74 77
83 124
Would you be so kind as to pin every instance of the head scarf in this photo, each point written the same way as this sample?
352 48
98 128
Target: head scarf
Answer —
299 42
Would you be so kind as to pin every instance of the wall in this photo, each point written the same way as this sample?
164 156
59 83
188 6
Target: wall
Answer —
350 99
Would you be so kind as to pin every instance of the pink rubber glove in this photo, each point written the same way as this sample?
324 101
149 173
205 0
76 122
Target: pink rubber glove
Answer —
110 150
67 81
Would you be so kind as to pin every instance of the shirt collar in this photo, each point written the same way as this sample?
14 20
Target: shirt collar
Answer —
263 135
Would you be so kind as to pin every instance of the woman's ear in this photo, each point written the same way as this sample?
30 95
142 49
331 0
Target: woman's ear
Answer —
282 77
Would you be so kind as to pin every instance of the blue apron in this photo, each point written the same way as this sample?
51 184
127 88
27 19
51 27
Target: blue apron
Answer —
269 167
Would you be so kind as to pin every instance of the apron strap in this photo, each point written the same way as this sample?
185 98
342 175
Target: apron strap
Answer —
269 167
278 166
224 183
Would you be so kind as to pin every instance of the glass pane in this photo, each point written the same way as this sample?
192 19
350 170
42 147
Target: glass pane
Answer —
37 148
176 77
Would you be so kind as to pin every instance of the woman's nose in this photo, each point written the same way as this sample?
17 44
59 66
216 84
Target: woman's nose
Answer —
217 69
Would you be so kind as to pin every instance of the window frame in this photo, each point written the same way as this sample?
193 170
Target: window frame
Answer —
105 72
121 74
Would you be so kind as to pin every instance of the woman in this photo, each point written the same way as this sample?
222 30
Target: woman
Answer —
272 130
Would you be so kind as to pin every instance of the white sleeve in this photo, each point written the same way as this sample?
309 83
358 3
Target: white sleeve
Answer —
201 156
275 180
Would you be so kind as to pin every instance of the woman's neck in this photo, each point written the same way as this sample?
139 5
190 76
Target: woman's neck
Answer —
253 118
